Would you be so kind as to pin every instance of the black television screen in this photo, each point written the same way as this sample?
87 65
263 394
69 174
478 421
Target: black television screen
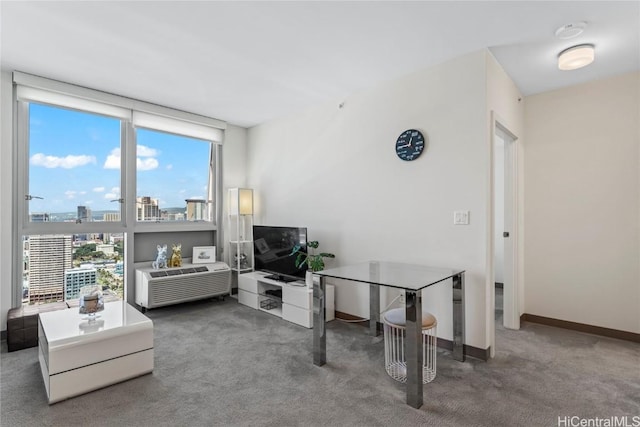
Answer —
272 248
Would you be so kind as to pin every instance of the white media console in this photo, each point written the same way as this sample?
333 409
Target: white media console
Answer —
290 301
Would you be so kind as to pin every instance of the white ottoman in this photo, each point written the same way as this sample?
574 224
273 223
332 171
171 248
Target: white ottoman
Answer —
394 332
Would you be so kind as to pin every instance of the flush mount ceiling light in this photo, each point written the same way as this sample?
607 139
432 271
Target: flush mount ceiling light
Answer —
576 57
570 30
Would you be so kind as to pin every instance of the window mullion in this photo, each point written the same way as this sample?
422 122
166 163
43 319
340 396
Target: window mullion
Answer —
129 175
22 150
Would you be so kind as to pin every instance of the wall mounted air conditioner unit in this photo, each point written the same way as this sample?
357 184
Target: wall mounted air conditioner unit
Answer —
157 288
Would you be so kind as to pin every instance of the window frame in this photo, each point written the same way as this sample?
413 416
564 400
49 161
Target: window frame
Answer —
213 179
28 227
128 225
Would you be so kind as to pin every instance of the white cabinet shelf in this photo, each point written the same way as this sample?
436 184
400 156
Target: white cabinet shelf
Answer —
240 230
290 301
241 243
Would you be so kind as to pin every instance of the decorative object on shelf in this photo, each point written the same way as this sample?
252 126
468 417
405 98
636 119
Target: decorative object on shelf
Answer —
269 304
161 259
90 301
315 262
176 256
241 260
241 229
410 144
203 255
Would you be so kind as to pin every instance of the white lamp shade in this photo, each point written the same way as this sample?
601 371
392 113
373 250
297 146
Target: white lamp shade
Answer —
241 201
576 57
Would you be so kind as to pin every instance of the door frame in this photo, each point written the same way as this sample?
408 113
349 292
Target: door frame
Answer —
513 322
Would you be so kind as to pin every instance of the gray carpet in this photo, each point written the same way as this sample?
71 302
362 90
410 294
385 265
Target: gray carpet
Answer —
223 364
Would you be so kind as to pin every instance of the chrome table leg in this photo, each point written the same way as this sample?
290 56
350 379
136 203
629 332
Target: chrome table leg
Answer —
458 317
319 331
374 309
413 347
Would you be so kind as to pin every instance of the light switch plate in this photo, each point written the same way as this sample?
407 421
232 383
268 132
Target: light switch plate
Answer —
461 217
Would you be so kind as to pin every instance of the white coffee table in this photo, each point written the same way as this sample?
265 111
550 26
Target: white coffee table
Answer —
78 356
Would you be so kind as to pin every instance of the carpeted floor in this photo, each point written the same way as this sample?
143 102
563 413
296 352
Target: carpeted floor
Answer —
218 363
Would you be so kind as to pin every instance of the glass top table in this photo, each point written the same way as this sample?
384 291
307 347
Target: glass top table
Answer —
410 277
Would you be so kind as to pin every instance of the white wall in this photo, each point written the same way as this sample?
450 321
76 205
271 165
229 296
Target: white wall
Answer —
335 171
582 254
6 150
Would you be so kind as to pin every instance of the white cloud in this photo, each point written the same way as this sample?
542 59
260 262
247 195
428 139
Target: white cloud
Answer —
113 159
142 164
88 202
82 192
169 167
99 189
144 151
113 194
70 194
68 162
146 164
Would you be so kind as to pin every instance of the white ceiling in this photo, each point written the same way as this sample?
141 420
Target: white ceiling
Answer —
249 62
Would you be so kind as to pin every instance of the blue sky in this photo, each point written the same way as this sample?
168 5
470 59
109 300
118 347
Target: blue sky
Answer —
74 159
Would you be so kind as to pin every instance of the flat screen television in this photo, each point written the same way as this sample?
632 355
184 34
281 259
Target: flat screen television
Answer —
272 248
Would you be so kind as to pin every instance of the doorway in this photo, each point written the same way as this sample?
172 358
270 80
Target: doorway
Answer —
504 287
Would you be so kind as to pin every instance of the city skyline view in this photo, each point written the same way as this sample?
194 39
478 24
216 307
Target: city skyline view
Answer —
57 266
74 160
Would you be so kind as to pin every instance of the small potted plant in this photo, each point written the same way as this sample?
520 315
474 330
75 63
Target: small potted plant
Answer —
315 262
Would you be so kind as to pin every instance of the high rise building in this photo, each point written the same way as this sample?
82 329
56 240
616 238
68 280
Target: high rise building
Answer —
147 209
76 278
84 214
39 217
48 258
196 210
111 216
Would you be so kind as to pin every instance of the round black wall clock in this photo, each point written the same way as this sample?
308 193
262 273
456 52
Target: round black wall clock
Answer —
410 144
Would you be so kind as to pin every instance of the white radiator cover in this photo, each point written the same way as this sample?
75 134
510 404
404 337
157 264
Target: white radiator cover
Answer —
166 286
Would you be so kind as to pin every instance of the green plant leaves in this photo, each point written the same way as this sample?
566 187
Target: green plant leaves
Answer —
315 262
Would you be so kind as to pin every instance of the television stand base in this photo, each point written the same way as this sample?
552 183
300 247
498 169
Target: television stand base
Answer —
291 301
281 278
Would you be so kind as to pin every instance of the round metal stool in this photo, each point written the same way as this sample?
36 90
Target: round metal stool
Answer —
394 332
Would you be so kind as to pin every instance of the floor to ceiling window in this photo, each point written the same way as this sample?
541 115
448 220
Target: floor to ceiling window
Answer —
71 181
93 174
